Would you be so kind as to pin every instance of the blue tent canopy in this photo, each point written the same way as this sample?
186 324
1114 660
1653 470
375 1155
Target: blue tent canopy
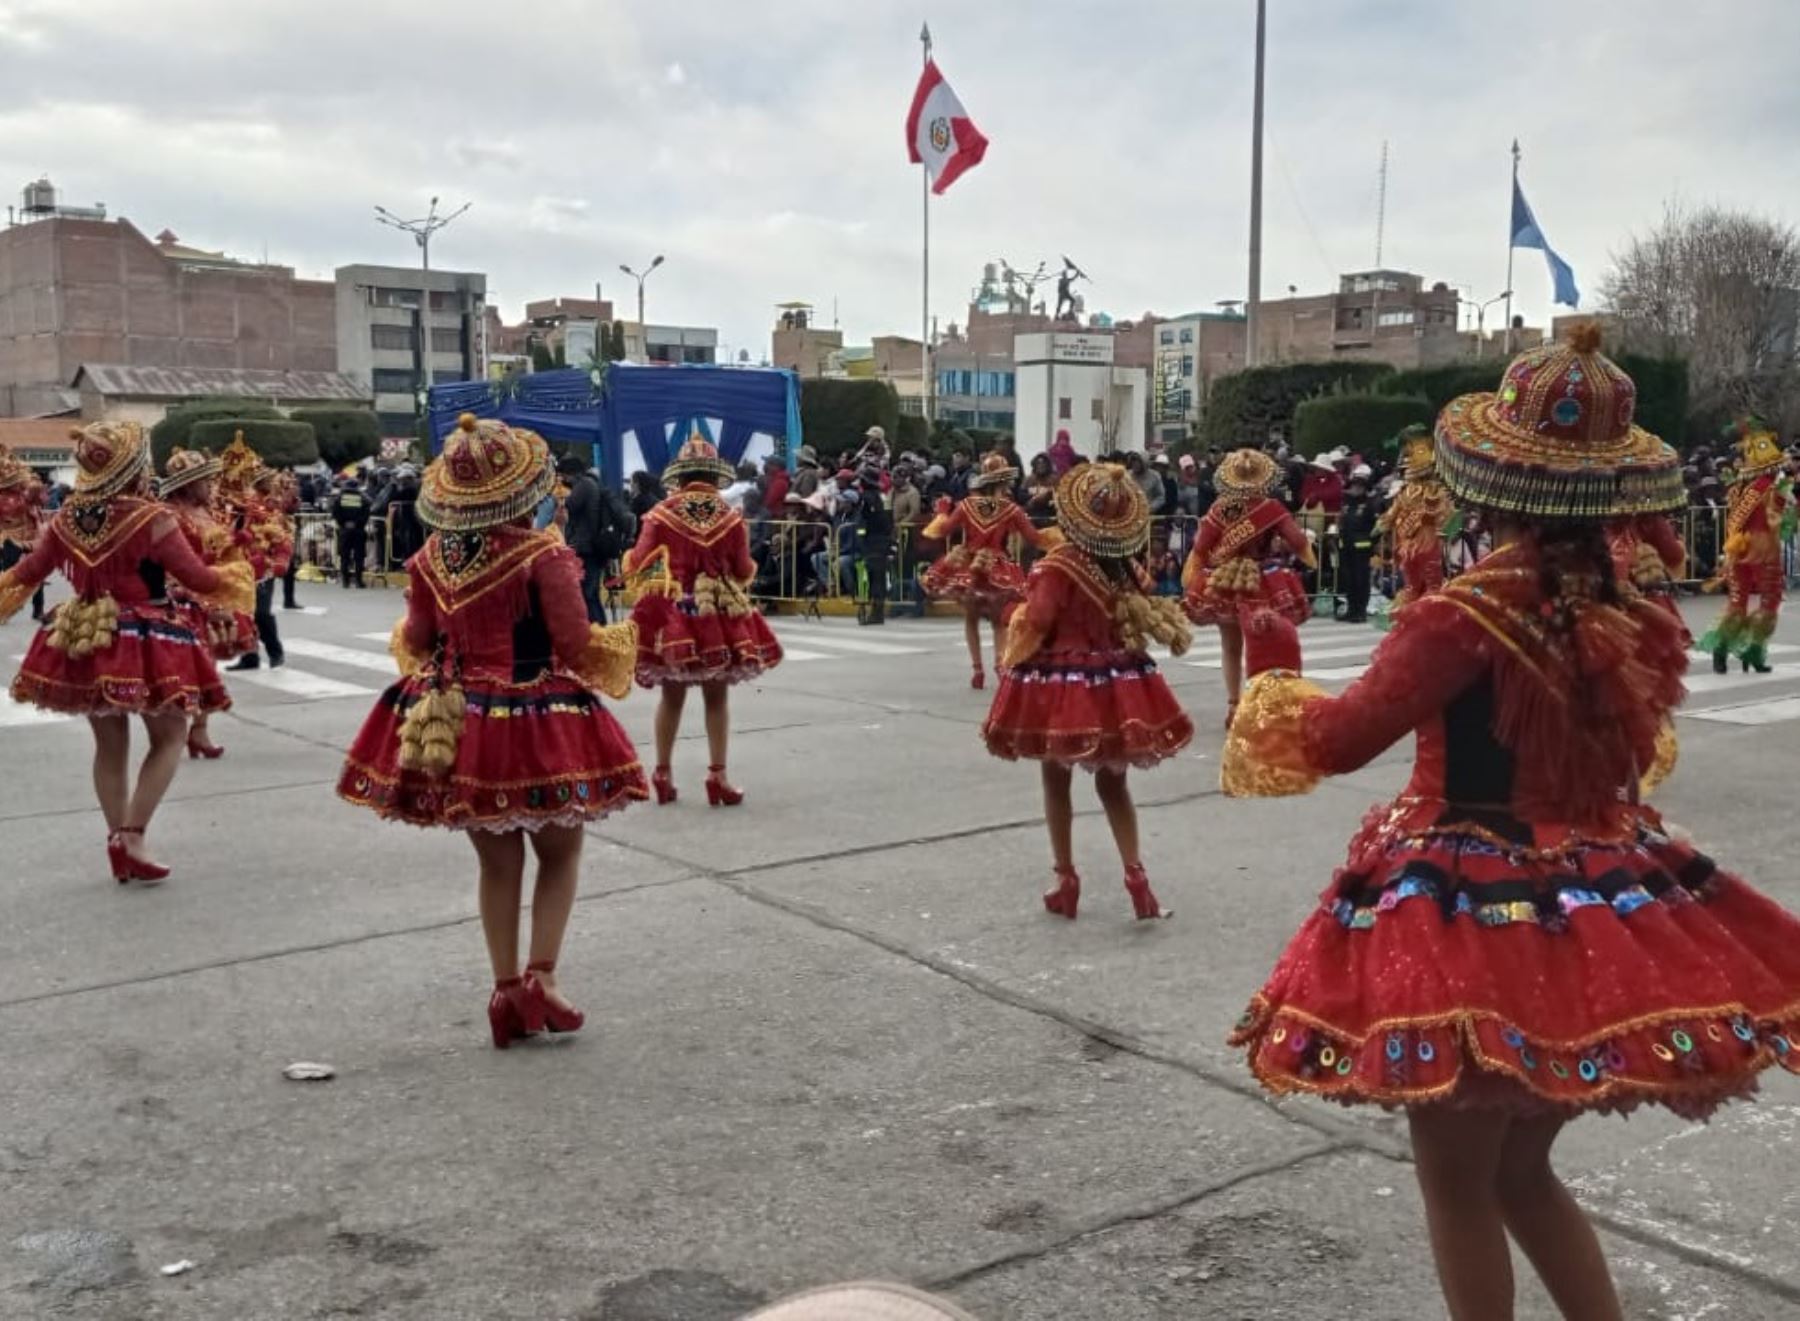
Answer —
645 400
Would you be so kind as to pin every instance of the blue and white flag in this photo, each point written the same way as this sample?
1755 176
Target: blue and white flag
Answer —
1526 234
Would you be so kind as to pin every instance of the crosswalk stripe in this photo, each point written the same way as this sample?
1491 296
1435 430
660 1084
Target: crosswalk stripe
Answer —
299 683
796 654
1723 683
330 651
1773 648
376 637
862 646
1341 672
1308 655
18 714
1751 713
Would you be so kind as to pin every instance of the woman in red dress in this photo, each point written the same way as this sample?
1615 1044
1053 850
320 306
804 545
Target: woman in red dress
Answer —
187 489
1241 561
22 500
496 728
1516 939
120 647
979 573
696 625
1078 687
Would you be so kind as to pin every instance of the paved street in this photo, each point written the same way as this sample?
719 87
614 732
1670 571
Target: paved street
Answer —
832 1033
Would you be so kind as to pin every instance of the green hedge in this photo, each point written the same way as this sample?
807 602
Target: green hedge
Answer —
281 444
1364 422
1245 407
175 430
345 435
835 414
1439 385
1662 402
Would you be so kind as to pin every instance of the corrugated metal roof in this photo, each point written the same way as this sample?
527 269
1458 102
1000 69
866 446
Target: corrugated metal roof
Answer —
120 381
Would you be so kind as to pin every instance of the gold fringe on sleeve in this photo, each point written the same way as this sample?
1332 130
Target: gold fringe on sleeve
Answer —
237 591
609 660
1668 751
13 594
652 577
1023 638
406 659
937 529
1049 538
1265 750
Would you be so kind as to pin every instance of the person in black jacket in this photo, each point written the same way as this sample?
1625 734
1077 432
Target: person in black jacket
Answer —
350 511
874 543
1356 541
599 528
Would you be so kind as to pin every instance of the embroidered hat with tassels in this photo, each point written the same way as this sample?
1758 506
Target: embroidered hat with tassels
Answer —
1758 450
1247 472
185 467
698 461
488 473
1103 511
994 471
13 472
109 456
1557 441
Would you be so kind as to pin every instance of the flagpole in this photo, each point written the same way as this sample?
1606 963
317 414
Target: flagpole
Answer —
1252 318
1509 248
927 387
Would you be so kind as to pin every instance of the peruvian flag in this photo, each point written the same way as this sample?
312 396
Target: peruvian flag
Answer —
939 133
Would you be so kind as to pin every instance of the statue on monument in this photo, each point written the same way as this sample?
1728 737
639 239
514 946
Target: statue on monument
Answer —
1065 289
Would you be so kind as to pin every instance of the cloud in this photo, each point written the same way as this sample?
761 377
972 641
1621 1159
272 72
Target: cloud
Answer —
500 153
760 147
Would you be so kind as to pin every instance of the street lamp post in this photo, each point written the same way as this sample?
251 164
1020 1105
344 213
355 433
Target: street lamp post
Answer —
1481 316
643 329
422 230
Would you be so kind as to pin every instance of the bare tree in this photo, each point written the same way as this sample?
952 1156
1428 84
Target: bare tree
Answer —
1722 289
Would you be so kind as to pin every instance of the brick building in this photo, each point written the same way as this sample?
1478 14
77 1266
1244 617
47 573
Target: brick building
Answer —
1374 316
76 290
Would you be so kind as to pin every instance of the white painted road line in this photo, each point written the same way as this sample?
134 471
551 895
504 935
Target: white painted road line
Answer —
1332 675
796 654
1726 683
1774 649
814 637
330 651
15 715
1307 655
298 683
1751 713
377 637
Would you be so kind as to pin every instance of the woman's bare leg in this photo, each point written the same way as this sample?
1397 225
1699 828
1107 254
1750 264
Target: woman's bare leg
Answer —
1458 1155
168 738
1231 656
1550 1227
717 698
1121 813
972 634
558 850
668 720
502 859
1059 813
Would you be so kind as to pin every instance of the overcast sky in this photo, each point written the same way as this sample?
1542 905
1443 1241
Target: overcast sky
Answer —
760 145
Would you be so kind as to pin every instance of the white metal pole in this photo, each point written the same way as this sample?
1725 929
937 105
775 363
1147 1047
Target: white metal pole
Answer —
927 387
1509 247
1256 172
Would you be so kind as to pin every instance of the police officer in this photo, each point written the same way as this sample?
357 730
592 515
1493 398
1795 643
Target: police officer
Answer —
874 542
350 511
1356 542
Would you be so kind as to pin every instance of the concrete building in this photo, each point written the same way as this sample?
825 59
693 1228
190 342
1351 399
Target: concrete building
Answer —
76 287
1069 382
379 343
1374 316
799 345
671 344
1191 353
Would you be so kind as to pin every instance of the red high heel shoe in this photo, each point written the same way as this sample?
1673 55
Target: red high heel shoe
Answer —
1065 896
126 867
1143 898
978 679
664 784
719 793
507 1012
197 749
543 1012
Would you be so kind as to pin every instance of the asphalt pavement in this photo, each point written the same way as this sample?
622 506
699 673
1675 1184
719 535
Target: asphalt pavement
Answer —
832 1034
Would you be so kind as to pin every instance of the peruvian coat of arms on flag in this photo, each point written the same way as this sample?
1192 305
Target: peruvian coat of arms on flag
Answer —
939 133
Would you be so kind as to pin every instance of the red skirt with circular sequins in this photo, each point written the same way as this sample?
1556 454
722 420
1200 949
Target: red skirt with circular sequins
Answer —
530 755
1485 963
156 664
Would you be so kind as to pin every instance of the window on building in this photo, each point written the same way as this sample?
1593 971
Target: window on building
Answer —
699 354
1187 364
1065 408
391 338
446 340
1401 317
1167 336
393 380
1097 410
396 424
380 297
1187 335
